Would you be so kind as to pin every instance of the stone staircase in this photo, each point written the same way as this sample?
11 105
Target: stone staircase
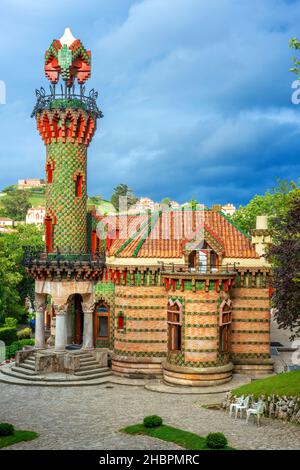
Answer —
90 368
89 373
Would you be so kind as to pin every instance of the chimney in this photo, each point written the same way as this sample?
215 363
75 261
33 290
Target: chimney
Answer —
260 235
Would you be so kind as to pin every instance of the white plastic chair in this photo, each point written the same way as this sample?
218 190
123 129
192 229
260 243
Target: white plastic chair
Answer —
257 410
238 402
243 406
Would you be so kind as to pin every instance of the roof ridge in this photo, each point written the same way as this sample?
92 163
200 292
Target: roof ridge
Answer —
147 232
130 239
234 225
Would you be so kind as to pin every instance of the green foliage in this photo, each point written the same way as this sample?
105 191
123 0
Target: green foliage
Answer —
273 203
25 333
6 429
216 440
152 421
15 285
285 255
11 350
166 201
16 204
295 44
282 384
185 439
10 322
122 190
18 436
8 335
10 188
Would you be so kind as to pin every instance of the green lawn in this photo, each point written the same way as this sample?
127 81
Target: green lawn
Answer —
18 436
185 439
37 200
282 384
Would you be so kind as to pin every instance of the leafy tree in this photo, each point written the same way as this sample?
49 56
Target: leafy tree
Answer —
9 280
122 190
285 254
16 204
166 201
8 189
273 204
295 44
95 199
15 285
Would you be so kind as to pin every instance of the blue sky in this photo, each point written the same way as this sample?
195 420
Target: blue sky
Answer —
196 94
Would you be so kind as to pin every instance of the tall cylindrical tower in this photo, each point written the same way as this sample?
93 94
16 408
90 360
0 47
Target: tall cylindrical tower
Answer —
66 121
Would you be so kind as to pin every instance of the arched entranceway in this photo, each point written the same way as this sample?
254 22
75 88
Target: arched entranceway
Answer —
75 319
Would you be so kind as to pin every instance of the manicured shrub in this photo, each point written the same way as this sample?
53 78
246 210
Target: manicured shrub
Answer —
216 440
25 333
6 429
8 335
152 421
10 322
17 346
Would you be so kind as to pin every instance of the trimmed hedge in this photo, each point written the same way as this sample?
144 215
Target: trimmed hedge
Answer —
8 335
17 346
25 333
6 429
152 421
216 440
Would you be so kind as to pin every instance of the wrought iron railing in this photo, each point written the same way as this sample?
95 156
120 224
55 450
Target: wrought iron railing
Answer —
67 99
172 268
34 258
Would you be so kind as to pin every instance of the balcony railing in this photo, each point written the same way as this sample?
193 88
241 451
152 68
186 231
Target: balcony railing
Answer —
41 259
67 99
172 268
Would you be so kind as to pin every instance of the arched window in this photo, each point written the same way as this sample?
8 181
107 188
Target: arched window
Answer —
225 325
78 185
174 321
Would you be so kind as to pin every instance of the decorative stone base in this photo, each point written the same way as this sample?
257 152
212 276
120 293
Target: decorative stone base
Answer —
197 377
136 368
254 367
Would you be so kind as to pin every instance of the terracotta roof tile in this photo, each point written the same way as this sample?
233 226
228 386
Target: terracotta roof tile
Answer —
164 235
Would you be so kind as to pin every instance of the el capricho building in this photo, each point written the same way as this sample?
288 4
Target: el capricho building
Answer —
182 294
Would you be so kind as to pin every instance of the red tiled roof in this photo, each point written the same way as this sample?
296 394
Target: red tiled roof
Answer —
164 235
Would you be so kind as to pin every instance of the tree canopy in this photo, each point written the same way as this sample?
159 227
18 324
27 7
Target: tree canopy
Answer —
122 190
15 285
16 204
273 203
285 255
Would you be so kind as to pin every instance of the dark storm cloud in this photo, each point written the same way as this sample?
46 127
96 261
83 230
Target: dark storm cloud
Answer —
196 94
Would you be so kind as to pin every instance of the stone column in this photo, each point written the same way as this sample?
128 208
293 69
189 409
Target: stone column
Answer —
61 327
88 329
40 323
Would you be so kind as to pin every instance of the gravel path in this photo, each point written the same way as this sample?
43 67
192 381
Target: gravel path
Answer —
90 418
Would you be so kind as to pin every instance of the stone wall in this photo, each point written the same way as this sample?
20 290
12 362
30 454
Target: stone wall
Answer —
276 406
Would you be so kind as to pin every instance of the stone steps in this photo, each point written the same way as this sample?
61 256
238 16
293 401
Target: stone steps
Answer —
23 370
15 373
89 372
41 382
99 370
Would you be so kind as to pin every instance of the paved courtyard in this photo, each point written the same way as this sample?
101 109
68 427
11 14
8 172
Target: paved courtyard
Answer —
90 418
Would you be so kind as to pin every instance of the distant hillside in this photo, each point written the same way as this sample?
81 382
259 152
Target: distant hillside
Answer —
37 199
